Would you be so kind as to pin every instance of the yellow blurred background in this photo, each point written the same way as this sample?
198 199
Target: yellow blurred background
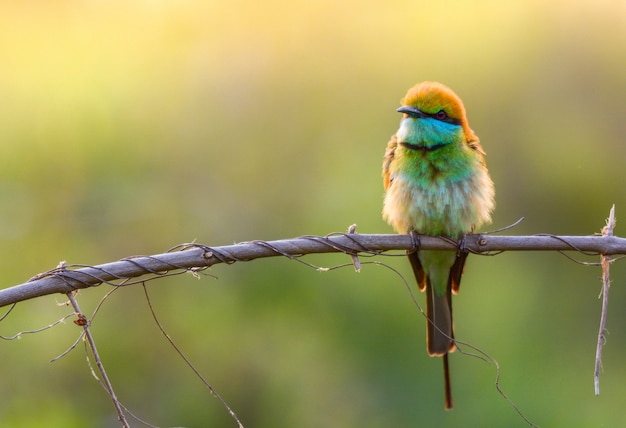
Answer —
129 127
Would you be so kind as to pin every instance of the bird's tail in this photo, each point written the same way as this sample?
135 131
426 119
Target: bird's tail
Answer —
439 329
440 334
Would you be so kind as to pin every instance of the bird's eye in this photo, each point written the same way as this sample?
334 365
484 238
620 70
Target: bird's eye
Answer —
441 115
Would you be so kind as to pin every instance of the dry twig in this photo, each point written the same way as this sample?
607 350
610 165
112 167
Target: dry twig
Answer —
84 322
606 283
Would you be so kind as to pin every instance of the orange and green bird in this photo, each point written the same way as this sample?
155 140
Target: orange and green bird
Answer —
436 183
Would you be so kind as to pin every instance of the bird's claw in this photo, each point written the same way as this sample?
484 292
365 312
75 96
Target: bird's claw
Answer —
417 244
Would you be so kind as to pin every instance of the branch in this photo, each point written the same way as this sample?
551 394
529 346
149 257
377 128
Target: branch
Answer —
105 378
605 262
196 257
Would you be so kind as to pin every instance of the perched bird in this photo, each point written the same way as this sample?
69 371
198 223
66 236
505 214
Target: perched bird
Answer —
436 183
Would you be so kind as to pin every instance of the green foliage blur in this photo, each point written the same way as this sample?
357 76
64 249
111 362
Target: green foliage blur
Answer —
129 127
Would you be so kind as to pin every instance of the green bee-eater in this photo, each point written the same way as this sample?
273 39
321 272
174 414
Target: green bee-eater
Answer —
436 183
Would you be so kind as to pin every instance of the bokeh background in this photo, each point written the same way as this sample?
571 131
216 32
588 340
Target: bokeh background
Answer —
129 127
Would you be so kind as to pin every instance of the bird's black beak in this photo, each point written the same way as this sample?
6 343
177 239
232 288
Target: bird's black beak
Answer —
411 111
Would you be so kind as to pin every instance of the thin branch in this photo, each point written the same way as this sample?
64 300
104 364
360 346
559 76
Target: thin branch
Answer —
82 320
196 257
606 283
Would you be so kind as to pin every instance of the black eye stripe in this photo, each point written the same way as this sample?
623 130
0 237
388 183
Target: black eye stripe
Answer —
447 119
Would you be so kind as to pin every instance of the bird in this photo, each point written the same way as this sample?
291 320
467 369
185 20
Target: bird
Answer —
436 183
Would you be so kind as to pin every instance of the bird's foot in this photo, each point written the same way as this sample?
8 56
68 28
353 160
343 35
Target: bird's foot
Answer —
416 242
461 246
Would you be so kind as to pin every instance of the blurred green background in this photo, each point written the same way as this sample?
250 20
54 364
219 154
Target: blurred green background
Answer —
129 127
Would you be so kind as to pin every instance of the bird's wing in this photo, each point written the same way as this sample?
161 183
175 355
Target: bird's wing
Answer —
456 271
418 269
389 154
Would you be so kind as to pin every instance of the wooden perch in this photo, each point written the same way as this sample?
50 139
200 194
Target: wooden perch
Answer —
194 257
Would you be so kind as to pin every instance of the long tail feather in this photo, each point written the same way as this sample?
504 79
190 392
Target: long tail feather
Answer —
439 329
447 385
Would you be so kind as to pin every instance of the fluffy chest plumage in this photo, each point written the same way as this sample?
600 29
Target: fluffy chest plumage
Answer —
442 192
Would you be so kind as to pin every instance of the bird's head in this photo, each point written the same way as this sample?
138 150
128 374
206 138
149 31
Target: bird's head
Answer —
434 116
